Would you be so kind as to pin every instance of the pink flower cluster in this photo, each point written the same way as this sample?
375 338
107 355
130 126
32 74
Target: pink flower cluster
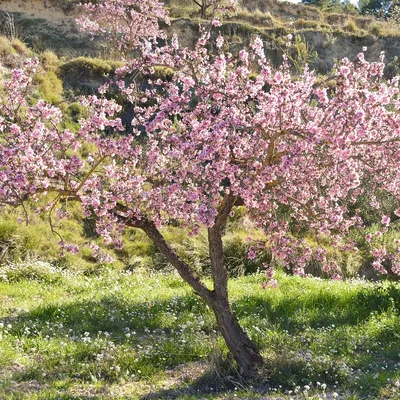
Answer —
221 127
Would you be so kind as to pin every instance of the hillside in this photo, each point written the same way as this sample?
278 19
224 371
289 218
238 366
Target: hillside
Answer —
51 24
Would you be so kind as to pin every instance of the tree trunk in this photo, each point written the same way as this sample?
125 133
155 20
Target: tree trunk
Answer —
242 348
244 352
203 11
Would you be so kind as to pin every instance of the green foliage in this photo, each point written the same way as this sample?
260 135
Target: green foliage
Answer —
84 75
305 24
376 29
13 47
140 253
49 60
92 67
351 27
332 5
35 241
373 7
350 8
73 112
300 53
5 46
49 86
38 271
11 52
20 47
163 73
256 17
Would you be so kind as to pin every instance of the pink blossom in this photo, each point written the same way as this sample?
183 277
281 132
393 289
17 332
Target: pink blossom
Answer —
219 42
385 220
216 22
251 255
344 70
336 277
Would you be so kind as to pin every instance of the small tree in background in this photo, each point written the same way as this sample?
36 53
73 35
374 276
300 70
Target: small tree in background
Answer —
204 6
214 5
223 131
379 8
329 5
394 12
125 24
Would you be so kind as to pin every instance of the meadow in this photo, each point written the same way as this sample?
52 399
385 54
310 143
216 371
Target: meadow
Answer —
141 335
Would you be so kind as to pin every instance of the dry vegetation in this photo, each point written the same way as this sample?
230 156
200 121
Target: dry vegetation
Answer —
278 14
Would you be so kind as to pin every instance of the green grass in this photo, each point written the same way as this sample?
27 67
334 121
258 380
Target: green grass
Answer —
135 336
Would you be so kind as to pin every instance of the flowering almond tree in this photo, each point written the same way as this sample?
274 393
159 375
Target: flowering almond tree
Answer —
223 131
125 24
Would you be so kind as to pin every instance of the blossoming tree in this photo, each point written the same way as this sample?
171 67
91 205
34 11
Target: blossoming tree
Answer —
124 23
206 5
223 131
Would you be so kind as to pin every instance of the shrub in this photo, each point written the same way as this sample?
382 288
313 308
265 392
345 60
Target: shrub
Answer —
21 48
92 67
351 27
236 250
84 75
305 24
35 271
49 86
49 60
5 46
163 73
255 17
8 55
337 19
364 23
375 29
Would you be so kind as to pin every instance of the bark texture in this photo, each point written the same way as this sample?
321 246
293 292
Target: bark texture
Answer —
242 348
244 351
204 5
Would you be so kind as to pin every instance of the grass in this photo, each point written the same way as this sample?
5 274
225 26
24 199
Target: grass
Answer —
34 241
12 52
140 336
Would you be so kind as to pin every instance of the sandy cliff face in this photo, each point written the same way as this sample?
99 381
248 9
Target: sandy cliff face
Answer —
51 24
49 9
46 24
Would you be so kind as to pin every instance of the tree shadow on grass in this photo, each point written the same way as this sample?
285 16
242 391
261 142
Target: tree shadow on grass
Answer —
110 339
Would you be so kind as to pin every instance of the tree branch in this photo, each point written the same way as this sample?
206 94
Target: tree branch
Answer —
183 269
377 142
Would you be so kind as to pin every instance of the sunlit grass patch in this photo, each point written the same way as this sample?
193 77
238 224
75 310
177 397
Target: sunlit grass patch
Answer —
125 335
